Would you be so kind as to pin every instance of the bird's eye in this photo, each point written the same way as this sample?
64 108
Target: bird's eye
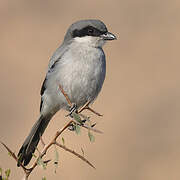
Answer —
90 31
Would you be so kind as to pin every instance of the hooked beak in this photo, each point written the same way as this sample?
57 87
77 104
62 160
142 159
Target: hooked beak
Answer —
108 36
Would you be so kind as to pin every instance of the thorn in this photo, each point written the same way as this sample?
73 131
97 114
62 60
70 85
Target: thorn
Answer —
93 125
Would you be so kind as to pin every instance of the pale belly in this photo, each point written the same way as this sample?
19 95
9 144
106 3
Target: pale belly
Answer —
81 80
83 83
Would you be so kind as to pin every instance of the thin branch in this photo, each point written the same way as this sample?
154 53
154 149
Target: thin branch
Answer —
25 177
28 171
90 128
13 155
46 147
93 111
42 141
62 130
42 153
75 153
86 106
65 95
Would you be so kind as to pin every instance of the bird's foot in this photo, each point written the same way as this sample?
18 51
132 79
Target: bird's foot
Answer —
72 108
72 126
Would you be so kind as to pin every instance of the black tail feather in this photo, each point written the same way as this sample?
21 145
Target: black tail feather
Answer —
26 152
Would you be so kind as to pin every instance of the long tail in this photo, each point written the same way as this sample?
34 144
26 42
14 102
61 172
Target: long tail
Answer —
26 152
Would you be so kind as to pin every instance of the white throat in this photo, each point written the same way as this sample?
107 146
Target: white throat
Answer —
90 41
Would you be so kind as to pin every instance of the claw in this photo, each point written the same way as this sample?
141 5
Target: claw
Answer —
72 109
93 125
84 120
71 127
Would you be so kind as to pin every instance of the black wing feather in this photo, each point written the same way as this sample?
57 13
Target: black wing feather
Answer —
43 88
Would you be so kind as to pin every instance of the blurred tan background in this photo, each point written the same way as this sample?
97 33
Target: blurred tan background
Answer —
140 99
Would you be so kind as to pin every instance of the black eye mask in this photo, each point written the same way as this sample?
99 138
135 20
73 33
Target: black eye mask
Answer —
87 31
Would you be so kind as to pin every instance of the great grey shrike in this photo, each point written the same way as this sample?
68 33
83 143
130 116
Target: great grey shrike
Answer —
79 66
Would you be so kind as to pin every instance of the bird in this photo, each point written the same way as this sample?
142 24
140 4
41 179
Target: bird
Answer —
79 66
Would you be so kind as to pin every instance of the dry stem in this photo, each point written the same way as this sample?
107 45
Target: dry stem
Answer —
86 106
28 171
65 95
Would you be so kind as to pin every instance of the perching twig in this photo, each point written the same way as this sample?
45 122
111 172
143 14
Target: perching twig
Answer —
13 155
65 95
42 153
86 106
46 147
91 128
75 153
28 171
42 141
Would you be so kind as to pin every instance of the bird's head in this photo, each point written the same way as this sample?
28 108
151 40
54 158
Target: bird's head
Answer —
90 32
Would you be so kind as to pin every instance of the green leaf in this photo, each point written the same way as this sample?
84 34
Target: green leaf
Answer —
1 178
9 153
7 172
34 155
91 137
77 129
0 171
41 163
77 117
20 157
44 178
63 141
84 117
56 159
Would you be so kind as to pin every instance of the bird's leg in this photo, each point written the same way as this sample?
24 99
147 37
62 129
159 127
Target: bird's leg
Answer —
72 108
86 106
